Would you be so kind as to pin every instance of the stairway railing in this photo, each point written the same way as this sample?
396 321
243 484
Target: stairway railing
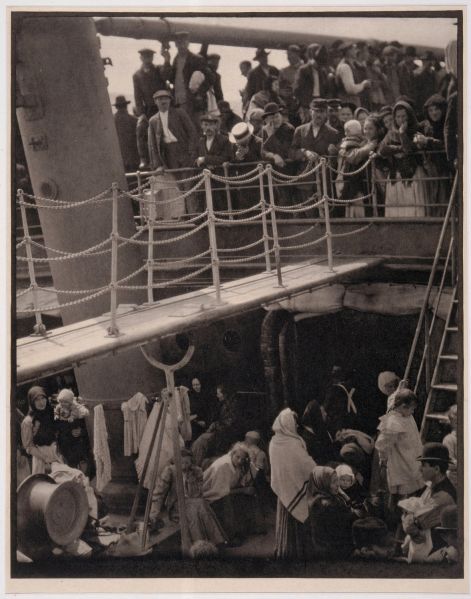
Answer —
423 324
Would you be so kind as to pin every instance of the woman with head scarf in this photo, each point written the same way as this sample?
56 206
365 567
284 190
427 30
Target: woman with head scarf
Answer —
38 432
330 516
291 466
319 443
435 160
406 188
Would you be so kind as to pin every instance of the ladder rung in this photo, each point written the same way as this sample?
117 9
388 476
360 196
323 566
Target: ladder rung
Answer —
437 416
452 329
453 387
451 357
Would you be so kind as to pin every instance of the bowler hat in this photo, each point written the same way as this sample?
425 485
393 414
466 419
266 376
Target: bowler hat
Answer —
434 452
121 101
146 51
271 108
162 93
240 132
448 519
49 514
259 53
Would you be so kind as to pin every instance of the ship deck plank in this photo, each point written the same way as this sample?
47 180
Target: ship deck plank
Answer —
74 344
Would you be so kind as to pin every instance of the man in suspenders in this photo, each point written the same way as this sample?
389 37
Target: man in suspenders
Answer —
339 404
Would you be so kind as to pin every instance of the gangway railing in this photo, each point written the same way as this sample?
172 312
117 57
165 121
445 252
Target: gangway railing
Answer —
318 198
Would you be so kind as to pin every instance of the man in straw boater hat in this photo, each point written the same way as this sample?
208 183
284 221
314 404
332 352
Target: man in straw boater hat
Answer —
257 78
146 81
246 149
126 128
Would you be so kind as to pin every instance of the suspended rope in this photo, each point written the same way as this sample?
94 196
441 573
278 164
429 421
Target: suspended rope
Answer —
360 230
304 245
164 241
344 174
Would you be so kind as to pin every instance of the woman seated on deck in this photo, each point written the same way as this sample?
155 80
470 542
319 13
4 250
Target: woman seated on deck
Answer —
202 522
233 503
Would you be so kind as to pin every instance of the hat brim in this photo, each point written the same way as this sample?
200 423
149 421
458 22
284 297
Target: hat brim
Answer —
432 459
155 97
257 56
233 140
116 104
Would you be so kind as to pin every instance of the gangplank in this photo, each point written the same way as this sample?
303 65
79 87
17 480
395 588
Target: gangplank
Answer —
74 344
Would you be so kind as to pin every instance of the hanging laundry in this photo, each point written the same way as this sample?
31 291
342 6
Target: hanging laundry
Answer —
135 419
101 450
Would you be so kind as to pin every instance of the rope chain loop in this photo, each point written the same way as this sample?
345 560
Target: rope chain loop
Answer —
164 241
350 174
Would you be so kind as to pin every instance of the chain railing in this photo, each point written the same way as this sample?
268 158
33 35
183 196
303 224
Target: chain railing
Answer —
317 197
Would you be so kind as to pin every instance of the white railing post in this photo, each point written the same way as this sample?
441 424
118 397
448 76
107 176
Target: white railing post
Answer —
328 232
39 328
113 330
374 195
212 235
276 242
150 242
225 166
141 203
263 208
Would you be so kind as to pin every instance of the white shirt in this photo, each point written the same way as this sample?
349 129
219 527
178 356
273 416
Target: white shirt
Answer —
209 142
169 137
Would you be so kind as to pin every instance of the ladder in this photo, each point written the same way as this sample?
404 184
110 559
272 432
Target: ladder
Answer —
441 387
444 388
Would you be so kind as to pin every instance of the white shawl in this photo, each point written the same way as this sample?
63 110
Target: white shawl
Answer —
220 478
291 465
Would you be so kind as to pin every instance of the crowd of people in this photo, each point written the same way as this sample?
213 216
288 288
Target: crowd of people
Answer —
345 102
348 480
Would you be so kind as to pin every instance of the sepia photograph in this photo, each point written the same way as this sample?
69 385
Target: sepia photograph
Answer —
237 298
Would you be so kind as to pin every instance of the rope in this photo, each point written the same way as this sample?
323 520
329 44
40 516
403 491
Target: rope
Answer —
163 202
62 204
245 210
238 181
338 201
281 238
246 259
360 230
359 170
132 275
167 283
24 292
67 255
74 291
242 220
305 173
67 305
235 177
242 247
303 209
164 241
164 265
22 243
303 245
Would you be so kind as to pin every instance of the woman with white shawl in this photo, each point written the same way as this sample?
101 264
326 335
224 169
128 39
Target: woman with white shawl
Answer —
291 467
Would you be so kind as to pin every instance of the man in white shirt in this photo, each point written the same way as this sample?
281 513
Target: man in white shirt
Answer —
349 88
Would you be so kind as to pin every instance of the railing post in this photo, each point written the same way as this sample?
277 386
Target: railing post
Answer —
225 166
212 235
427 348
39 328
276 243
141 203
150 243
374 196
263 207
113 330
328 232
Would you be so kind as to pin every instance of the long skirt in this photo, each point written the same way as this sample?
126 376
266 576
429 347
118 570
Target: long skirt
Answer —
406 198
202 522
292 537
237 514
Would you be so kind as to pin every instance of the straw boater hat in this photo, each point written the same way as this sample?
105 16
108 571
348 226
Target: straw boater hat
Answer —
49 514
240 132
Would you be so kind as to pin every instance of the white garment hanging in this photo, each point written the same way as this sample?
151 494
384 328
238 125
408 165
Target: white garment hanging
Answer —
135 419
101 451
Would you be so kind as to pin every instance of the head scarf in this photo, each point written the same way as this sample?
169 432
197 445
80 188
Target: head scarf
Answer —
384 378
291 465
358 110
412 124
437 126
320 480
45 433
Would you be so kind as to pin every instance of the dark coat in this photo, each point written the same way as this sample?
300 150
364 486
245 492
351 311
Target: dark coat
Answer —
182 127
314 432
331 522
217 87
407 81
146 83
425 86
228 120
194 63
126 129
304 84
254 153
280 142
219 152
257 79
304 139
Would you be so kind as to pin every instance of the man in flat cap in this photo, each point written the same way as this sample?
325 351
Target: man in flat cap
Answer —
172 137
257 77
350 84
146 81
191 78
313 140
310 81
126 129
287 74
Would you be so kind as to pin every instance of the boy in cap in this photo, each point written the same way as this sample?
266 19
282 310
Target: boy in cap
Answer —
146 81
